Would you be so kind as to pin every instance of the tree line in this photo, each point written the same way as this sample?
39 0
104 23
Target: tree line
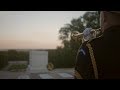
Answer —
12 55
65 55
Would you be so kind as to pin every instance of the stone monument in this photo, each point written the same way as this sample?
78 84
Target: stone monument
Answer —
38 61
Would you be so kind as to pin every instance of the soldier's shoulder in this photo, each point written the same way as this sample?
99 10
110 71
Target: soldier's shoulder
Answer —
97 39
93 41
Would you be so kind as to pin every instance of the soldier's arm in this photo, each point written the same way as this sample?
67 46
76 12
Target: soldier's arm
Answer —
83 67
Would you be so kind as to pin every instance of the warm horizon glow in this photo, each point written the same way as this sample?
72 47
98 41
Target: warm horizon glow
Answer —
33 29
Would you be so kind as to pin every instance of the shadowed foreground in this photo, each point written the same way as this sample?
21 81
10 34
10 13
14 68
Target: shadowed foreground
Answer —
55 74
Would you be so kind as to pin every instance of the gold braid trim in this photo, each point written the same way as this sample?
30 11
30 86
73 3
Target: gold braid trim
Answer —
93 60
77 75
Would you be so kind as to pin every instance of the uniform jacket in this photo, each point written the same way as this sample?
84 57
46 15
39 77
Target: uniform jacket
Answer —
100 57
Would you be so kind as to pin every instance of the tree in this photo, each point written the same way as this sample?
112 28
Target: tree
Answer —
75 25
12 55
67 54
91 19
3 59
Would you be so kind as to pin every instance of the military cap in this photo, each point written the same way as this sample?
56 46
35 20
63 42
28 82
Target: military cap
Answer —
109 19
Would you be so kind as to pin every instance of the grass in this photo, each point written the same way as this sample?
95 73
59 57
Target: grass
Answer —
17 67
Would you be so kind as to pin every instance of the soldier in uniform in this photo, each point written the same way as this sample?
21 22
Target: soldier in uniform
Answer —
99 58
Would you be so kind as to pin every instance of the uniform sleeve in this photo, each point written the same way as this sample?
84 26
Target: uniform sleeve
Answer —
83 67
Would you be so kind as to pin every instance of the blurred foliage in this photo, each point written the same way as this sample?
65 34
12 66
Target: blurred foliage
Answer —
14 55
3 59
64 57
17 67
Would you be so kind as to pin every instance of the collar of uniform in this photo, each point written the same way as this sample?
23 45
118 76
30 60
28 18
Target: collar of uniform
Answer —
112 34
112 28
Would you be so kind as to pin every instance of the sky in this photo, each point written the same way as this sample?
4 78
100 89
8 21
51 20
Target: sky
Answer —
33 29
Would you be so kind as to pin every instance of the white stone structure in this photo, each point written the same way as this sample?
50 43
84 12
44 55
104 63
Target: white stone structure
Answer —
38 61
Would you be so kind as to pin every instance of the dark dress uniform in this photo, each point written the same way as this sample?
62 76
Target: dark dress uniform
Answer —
100 57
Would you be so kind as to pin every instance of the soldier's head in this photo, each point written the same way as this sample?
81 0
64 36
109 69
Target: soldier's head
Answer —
109 19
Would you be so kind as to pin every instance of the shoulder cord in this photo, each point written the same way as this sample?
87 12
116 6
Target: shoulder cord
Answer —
77 75
93 60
